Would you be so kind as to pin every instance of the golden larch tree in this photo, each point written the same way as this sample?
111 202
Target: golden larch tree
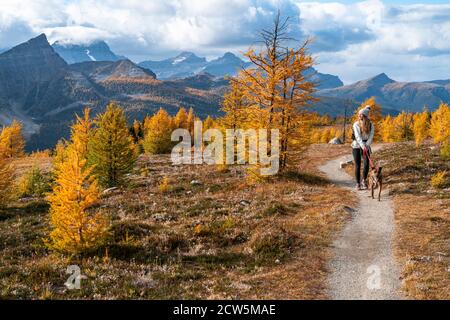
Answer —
209 123
375 115
60 153
12 142
404 127
137 131
235 108
190 121
387 129
81 133
440 124
181 119
6 181
76 226
276 86
421 126
158 130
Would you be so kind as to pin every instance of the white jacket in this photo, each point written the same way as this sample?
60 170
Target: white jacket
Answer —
360 138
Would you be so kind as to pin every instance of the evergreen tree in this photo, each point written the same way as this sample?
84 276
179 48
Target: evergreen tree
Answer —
112 152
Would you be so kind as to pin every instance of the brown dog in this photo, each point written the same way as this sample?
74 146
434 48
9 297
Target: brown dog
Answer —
376 181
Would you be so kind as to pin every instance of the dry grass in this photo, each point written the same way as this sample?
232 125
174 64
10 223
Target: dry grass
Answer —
220 238
422 218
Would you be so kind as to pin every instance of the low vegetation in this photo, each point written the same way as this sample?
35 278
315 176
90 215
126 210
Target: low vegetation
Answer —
216 238
419 181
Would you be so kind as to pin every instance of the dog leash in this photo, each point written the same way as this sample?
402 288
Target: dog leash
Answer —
366 153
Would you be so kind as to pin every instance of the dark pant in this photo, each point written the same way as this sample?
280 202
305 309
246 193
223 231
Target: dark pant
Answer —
357 154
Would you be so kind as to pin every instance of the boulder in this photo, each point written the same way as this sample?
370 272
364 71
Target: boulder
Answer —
345 164
196 183
335 141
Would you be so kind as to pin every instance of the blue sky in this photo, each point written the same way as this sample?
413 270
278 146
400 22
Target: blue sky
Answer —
408 40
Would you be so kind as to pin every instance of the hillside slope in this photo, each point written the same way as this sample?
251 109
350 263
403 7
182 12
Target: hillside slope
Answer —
39 88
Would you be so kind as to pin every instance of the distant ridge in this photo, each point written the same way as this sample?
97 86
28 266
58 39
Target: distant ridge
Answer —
42 90
74 53
398 96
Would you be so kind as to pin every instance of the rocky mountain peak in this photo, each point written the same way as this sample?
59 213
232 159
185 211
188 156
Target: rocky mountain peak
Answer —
380 80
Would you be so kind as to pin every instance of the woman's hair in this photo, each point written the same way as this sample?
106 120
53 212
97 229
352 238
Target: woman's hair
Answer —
364 125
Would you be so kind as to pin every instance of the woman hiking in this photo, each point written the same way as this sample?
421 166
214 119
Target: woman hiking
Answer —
363 132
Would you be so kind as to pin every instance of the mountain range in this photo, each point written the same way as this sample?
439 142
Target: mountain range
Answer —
393 95
43 91
41 88
188 64
95 51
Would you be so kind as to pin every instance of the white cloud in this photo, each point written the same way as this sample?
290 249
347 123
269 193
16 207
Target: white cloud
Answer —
352 40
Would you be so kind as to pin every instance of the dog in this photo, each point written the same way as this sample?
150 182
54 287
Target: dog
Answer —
376 180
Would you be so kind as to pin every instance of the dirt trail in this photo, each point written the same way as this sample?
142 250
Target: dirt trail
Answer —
363 266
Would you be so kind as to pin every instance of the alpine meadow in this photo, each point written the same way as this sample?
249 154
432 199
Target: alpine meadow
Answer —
132 168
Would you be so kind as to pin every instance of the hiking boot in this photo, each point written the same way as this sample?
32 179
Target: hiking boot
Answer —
364 185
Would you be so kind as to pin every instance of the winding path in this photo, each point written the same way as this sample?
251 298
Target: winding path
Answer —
363 265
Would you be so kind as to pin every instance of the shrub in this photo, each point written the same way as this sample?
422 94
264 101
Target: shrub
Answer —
445 150
164 185
439 180
271 244
33 184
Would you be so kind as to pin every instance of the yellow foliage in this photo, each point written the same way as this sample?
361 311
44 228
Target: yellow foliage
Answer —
208 123
387 127
445 150
190 121
233 105
60 154
421 126
33 184
158 130
439 180
375 115
276 88
440 124
198 229
404 127
12 143
76 227
181 119
6 181
164 185
81 133
40 154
